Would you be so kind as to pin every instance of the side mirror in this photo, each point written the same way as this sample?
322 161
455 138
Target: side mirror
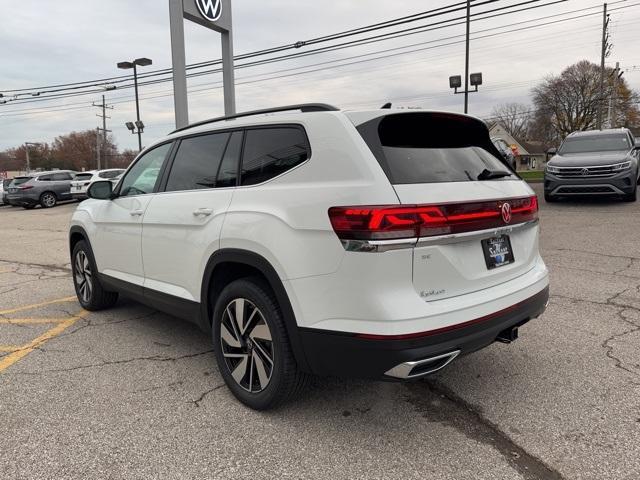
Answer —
100 190
552 151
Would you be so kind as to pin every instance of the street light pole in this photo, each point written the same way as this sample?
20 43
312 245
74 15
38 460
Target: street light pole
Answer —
466 68
135 83
143 62
26 148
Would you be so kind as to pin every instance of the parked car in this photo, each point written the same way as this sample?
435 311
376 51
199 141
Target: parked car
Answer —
601 162
41 188
320 242
82 180
4 190
505 150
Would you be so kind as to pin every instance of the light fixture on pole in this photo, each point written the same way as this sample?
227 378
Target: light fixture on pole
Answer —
142 62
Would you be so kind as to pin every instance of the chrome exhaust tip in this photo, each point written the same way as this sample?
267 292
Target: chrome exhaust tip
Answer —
420 368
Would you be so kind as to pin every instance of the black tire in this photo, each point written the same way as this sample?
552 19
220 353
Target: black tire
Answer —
631 197
243 357
91 295
550 198
48 200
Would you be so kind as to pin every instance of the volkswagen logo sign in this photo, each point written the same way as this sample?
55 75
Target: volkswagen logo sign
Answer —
584 172
210 9
506 212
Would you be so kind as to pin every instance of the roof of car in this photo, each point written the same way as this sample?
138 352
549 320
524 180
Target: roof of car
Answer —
591 133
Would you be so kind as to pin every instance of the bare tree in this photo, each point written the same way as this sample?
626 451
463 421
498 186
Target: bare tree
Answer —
569 102
514 117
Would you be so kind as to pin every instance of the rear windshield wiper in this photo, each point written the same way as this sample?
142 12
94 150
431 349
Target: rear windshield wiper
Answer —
491 174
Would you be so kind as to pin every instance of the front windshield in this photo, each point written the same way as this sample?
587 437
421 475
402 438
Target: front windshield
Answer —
595 143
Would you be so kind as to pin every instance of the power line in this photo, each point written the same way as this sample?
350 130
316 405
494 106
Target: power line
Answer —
373 59
359 42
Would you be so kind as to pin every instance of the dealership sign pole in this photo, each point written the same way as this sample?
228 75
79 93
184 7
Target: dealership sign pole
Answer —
212 14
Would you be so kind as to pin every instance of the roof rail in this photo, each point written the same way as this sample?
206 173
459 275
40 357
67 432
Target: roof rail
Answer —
303 107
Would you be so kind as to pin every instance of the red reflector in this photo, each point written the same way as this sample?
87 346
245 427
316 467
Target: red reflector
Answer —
413 221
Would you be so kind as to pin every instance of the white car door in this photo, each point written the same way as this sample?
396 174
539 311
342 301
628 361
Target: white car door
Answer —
182 225
118 222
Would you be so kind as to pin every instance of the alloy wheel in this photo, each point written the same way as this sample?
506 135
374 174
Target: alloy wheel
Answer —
83 276
247 345
48 200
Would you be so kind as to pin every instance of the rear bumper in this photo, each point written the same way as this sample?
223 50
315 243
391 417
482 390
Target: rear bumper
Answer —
20 200
620 184
373 356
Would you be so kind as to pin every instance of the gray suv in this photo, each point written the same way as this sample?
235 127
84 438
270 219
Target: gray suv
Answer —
41 188
601 162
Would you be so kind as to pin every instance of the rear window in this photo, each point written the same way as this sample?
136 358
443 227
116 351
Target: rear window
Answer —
84 176
109 174
595 143
20 180
432 148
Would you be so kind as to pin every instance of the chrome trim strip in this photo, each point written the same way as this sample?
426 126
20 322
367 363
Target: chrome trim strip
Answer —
403 370
592 166
614 189
377 246
477 235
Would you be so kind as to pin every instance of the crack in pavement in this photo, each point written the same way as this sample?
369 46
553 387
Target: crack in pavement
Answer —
448 408
106 363
51 268
197 402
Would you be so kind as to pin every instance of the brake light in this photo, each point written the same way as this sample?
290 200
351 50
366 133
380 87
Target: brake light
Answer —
25 187
414 221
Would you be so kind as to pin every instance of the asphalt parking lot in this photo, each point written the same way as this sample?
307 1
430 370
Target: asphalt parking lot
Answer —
134 393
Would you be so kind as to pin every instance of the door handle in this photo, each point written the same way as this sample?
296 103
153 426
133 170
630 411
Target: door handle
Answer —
202 212
136 213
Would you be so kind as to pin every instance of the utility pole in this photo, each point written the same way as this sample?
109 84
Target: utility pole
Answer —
604 54
26 148
466 67
100 146
613 121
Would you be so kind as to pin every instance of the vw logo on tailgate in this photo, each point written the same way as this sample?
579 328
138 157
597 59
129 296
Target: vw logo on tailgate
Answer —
506 212
210 9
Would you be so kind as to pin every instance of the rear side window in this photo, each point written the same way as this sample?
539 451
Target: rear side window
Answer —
432 148
269 152
84 176
45 178
197 162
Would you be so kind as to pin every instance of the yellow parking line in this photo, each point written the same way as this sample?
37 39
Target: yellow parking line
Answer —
36 305
30 321
9 348
7 361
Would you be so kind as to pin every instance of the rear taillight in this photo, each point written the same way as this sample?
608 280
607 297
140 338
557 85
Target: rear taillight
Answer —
415 221
25 187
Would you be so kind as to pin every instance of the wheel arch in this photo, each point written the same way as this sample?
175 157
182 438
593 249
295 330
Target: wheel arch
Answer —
227 265
77 234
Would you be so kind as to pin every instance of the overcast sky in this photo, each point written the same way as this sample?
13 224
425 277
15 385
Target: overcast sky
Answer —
49 43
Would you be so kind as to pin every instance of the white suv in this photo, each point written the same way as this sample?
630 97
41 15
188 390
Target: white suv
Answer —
379 244
81 182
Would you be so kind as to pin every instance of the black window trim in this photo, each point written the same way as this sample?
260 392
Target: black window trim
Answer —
162 187
172 143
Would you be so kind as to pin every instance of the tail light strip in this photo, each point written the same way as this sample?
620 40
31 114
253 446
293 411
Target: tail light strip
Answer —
381 228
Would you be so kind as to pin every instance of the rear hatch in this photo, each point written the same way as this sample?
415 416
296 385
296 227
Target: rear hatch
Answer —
14 187
80 182
477 219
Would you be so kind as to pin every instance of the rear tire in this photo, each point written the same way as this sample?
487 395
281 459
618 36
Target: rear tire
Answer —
91 295
48 200
550 198
252 347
